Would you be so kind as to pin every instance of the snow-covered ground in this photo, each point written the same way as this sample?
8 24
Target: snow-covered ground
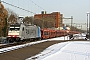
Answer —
77 50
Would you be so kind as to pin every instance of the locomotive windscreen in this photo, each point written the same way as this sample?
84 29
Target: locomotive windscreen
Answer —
15 27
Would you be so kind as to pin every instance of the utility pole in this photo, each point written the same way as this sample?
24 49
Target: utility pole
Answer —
42 21
70 19
88 25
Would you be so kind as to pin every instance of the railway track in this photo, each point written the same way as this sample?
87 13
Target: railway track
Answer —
9 45
5 45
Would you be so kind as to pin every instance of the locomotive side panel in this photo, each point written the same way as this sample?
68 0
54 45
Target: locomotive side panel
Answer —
32 32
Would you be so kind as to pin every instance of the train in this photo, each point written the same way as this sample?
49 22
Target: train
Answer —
22 32
49 33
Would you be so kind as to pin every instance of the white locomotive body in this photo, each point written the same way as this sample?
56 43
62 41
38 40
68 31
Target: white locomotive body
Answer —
18 32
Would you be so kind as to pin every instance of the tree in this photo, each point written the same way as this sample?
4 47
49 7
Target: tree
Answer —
48 22
28 20
45 22
3 20
12 17
38 22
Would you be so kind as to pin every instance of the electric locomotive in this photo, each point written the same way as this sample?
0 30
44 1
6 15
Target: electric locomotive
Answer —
22 32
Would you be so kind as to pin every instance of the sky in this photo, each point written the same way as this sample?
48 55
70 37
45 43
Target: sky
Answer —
75 8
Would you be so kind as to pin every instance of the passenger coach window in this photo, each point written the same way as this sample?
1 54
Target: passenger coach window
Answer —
46 33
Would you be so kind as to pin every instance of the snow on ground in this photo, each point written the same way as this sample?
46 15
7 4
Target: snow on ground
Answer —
48 51
72 51
77 50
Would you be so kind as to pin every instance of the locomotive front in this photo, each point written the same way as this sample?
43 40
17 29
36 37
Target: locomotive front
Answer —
14 33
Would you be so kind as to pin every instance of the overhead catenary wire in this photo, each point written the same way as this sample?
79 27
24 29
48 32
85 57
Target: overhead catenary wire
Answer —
37 5
18 7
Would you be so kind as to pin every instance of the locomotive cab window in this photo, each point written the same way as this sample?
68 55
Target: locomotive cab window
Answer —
23 29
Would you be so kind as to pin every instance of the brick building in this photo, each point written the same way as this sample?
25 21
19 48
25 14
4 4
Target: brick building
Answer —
54 16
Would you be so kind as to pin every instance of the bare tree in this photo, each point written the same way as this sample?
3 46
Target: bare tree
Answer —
12 17
38 22
28 20
45 22
48 22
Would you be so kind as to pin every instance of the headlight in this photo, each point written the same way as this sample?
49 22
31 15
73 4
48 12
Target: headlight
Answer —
9 36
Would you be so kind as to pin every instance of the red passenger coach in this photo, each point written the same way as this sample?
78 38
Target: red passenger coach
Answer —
57 33
45 34
52 33
60 33
49 33
63 32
